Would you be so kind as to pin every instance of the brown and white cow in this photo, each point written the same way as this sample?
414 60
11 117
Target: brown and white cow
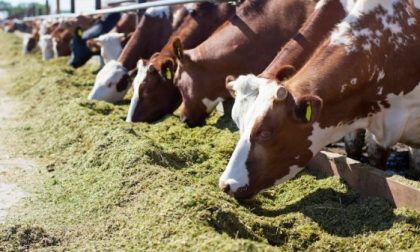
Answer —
155 94
290 58
244 44
65 31
151 34
364 76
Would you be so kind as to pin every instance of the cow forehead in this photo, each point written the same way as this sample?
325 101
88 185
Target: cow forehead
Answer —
141 75
264 101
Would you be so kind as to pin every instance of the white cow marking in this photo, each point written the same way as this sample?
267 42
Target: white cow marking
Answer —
293 171
141 75
211 104
110 45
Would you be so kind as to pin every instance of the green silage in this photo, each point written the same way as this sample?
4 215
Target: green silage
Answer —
108 184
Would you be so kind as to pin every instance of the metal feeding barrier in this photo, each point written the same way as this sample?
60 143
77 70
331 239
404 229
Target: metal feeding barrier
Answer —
131 7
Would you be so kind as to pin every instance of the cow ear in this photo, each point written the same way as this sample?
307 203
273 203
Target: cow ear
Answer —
78 33
168 69
285 72
308 109
230 85
133 73
178 50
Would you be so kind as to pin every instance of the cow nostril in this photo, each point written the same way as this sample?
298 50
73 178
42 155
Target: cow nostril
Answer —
225 188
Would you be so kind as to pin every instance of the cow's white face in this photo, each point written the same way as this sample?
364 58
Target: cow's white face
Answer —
46 45
245 90
111 83
274 143
110 46
138 80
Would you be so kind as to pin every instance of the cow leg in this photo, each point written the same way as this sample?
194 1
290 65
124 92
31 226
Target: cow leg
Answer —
353 143
414 170
377 155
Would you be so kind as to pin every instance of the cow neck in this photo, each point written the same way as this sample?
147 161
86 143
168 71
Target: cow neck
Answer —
316 28
245 36
142 44
132 51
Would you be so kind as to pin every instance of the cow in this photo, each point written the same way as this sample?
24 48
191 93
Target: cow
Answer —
30 41
153 31
349 83
65 31
256 32
80 53
290 58
155 94
112 43
18 25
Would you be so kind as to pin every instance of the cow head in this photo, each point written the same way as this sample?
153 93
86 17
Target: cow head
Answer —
46 45
80 52
275 141
199 96
30 42
154 92
111 83
110 45
61 43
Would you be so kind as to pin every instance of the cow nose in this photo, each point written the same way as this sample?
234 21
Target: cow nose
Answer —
225 188
184 119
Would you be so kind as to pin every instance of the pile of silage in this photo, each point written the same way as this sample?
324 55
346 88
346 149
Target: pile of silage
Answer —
115 185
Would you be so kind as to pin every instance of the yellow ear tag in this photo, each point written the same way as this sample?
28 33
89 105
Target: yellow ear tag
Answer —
80 33
168 74
308 114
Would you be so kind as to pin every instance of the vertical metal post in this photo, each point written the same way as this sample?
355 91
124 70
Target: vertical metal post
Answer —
47 7
72 6
58 9
98 4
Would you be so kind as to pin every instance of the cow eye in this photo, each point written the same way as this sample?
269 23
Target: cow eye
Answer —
109 85
265 135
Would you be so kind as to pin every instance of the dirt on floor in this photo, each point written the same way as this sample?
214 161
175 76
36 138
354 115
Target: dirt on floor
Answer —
15 171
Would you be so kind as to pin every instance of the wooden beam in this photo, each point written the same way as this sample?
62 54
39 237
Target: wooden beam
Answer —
366 180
